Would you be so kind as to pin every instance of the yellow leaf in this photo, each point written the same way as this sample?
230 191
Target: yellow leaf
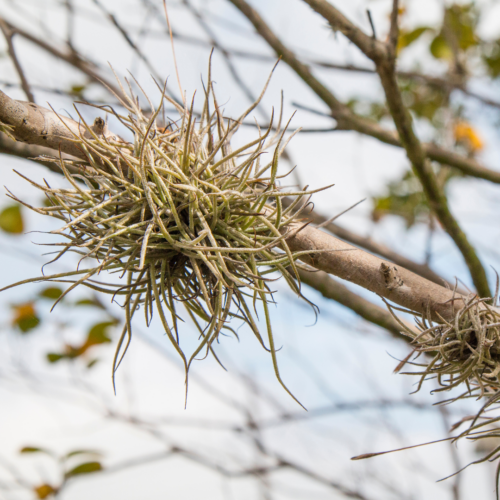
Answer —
44 491
406 38
466 135
11 220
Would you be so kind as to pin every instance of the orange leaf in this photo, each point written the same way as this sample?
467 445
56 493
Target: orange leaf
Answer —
25 317
466 135
44 491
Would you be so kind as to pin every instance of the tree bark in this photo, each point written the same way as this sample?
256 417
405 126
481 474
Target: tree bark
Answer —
387 280
36 125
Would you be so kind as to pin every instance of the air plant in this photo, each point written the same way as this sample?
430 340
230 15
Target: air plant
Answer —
181 218
462 351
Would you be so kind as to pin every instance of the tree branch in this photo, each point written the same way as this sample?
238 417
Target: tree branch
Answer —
346 119
378 249
8 34
332 289
372 273
35 125
384 58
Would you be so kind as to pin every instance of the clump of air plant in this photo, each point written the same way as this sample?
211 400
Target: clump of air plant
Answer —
465 350
181 215
462 351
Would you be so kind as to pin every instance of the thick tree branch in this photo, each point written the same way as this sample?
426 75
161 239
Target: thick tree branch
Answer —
332 289
35 125
378 249
381 277
346 119
383 56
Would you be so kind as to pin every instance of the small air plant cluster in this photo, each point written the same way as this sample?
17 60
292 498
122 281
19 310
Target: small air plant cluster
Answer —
181 218
458 353
464 352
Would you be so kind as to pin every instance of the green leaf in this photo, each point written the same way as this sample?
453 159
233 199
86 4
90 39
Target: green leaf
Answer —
11 220
32 449
440 49
406 38
458 30
95 302
27 324
98 333
462 20
86 468
491 57
51 292
53 357
82 452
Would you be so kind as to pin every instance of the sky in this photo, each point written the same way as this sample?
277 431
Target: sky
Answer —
337 359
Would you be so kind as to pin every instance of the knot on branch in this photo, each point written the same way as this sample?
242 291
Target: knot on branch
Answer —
391 276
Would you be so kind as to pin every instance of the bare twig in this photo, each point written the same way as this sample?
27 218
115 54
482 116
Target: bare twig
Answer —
8 34
70 56
126 36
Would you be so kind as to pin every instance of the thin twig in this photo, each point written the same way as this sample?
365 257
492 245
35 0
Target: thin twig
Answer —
8 34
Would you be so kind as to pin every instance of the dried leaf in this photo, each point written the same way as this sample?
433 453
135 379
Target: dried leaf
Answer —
44 491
